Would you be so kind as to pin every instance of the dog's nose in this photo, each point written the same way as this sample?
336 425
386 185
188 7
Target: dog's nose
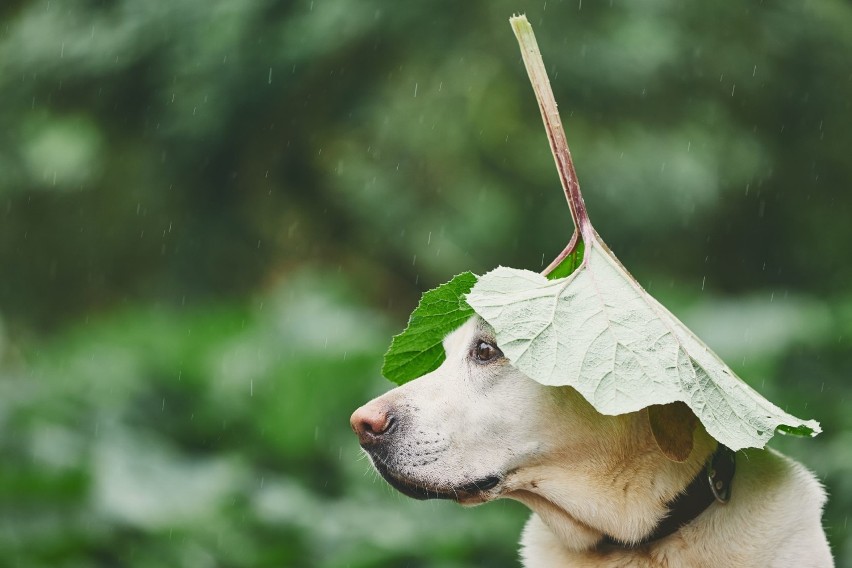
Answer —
370 422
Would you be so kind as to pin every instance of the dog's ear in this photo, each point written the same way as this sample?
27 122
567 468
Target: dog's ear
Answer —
672 426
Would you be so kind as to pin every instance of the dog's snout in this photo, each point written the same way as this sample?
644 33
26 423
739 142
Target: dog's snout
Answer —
371 422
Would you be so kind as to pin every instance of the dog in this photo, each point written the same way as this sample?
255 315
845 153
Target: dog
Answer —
604 491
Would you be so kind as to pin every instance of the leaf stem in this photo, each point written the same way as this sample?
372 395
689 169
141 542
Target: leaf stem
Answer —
553 125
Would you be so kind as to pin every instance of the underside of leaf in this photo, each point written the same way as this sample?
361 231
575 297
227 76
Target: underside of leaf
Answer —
598 331
593 327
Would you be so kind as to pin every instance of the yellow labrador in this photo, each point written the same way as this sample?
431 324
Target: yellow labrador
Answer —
604 490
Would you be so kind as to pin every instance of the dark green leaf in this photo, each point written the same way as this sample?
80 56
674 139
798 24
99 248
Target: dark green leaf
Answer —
569 264
418 349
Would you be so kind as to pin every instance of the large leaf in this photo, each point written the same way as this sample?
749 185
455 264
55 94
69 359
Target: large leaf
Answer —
601 333
594 328
419 348
585 322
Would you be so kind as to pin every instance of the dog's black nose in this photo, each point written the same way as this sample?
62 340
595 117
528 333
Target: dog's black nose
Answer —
371 422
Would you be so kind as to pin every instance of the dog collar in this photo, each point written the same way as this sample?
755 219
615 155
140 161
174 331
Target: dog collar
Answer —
712 484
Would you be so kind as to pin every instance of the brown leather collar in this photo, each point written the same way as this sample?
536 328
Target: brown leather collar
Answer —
713 483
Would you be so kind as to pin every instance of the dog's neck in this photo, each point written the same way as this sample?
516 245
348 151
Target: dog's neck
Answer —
712 484
582 511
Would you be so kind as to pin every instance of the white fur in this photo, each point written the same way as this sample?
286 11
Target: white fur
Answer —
585 475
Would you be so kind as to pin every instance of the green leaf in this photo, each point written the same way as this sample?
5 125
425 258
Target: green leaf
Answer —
568 264
601 333
419 349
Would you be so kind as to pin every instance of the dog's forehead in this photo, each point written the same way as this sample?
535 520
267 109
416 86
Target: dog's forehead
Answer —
460 339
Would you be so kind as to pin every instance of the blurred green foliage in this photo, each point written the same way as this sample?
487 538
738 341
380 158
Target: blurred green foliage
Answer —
214 215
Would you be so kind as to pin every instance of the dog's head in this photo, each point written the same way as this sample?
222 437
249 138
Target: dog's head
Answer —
477 428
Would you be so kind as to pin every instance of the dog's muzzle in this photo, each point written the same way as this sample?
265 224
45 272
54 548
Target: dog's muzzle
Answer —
376 426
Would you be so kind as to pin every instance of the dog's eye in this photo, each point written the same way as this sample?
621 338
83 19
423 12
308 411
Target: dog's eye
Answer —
485 351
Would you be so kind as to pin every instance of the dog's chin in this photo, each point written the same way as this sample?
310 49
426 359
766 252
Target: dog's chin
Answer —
472 493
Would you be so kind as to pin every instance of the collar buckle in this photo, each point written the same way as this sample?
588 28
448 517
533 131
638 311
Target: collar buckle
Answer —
720 473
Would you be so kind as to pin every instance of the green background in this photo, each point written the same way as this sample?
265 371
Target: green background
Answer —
214 215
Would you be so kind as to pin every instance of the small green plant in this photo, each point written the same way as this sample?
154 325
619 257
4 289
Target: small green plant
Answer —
585 322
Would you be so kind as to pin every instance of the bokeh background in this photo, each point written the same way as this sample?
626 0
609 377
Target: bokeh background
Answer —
215 213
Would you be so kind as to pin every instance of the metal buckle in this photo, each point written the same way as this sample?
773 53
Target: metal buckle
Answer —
720 473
